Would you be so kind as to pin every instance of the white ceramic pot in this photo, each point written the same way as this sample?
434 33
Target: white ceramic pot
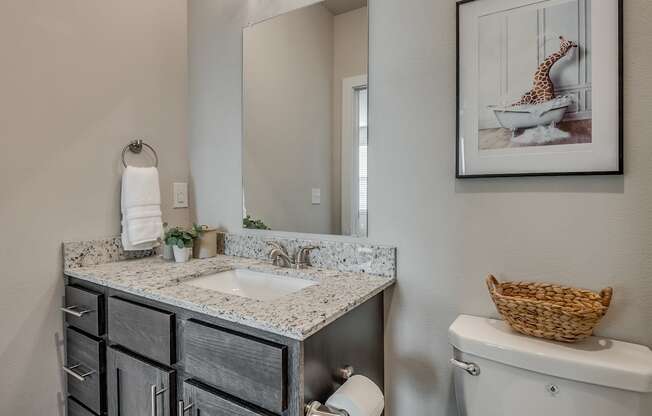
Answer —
182 255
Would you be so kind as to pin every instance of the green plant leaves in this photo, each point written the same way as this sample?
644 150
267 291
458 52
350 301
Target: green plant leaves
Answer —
178 236
253 224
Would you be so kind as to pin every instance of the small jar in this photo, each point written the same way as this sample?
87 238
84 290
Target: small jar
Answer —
205 246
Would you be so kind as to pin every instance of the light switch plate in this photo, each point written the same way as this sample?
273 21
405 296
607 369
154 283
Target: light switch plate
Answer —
316 196
180 195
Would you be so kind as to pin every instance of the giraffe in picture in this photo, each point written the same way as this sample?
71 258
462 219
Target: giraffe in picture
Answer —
544 89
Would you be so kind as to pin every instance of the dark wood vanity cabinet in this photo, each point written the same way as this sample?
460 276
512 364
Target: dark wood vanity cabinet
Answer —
138 386
84 310
143 329
156 359
202 400
85 362
75 408
85 369
252 369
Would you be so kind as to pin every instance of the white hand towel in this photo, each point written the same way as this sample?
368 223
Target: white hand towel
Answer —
142 223
140 187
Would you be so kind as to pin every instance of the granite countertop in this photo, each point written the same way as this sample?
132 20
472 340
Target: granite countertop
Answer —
297 315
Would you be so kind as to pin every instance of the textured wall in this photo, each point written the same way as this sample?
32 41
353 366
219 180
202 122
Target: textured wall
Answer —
590 231
79 79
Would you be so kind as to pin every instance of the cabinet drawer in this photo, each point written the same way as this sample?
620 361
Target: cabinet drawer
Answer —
142 329
85 369
85 309
248 368
76 409
200 399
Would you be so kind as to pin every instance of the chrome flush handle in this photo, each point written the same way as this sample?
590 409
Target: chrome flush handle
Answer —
78 376
76 311
154 399
470 368
183 409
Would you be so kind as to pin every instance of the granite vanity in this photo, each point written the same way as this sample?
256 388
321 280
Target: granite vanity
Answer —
141 340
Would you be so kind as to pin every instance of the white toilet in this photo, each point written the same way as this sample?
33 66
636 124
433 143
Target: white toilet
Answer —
499 372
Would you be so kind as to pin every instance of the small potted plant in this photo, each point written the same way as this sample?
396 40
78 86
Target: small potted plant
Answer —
252 223
181 241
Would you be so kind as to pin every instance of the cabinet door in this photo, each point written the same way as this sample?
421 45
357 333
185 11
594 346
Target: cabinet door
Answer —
137 387
201 400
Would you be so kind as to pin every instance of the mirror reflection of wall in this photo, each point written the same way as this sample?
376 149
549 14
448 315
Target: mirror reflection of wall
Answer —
305 120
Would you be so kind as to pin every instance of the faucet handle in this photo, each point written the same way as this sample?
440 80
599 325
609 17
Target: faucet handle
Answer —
278 254
308 249
275 246
302 253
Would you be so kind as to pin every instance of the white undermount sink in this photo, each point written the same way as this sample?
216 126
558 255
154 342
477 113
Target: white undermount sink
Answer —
250 284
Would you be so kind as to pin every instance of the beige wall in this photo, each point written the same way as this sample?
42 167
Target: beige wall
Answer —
351 49
287 120
79 79
586 231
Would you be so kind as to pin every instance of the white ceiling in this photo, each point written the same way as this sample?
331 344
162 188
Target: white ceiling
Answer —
342 6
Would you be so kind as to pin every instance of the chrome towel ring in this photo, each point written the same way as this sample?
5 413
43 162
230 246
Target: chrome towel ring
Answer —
136 147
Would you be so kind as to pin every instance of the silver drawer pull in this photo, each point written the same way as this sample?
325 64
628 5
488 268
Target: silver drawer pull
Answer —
470 368
154 398
78 376
183 409
75 311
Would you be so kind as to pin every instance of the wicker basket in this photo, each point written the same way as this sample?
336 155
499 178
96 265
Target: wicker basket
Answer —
549 311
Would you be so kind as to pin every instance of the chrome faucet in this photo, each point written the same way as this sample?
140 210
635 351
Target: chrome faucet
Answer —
301 259
280 256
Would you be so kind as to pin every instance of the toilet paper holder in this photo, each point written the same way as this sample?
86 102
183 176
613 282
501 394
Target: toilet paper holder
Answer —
315 408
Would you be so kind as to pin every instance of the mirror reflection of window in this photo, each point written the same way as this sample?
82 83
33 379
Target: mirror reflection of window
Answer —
361 146
354 156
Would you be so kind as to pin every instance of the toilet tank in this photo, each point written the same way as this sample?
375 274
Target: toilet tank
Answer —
524 376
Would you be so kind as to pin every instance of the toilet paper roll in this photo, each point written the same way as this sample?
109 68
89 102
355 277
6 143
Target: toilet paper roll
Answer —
359 396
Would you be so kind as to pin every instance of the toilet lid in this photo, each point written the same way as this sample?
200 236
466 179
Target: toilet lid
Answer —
596 360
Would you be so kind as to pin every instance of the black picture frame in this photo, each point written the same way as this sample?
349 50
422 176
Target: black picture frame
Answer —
621 130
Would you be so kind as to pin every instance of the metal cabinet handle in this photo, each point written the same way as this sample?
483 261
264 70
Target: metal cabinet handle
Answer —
470 368
183 409
75 311
154 397
81 377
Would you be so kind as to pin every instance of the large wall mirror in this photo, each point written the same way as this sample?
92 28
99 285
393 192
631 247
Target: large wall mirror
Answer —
305 120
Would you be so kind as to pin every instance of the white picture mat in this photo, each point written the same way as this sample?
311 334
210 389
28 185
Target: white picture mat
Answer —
602 155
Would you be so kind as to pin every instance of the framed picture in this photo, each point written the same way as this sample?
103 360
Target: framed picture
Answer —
539 88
